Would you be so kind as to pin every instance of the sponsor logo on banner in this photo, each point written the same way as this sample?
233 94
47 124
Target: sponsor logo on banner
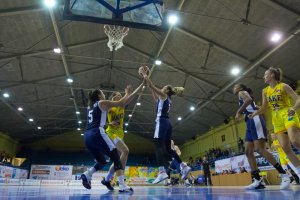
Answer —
239 161
236 162
52 182
51 172
9 181
75 183
263 164
221 165
32 182
139 180
96 182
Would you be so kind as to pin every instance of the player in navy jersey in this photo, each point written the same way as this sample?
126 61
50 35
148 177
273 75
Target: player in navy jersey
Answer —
97 141
256 135
163 128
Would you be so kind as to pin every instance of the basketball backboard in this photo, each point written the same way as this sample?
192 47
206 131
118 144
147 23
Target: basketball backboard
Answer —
142 14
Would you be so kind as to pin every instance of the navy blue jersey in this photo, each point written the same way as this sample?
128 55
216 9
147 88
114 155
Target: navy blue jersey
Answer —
163 108
96 118
249 109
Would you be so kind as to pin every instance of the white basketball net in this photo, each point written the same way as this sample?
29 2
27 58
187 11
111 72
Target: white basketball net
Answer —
115 36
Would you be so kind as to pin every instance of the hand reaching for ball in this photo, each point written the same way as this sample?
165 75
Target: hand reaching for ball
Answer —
144 71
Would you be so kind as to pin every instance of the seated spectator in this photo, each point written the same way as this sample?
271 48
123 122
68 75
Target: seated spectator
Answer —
243 170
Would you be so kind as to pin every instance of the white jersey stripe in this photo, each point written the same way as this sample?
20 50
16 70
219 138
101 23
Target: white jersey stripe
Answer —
259 128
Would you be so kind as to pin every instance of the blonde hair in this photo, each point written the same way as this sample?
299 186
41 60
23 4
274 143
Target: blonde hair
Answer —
178 91
277 73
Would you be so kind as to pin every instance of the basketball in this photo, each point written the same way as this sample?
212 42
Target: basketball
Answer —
144 70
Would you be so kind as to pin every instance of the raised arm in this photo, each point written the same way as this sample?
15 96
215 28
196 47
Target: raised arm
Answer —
295 97
154 95
157 91
107 104
131 96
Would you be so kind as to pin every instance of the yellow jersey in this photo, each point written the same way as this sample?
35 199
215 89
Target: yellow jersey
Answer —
277 97
116 114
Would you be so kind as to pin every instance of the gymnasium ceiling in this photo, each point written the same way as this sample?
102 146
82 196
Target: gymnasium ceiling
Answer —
197 54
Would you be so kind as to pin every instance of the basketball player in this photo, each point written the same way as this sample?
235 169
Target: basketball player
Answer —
163 128
284 161
174 165
116 133
97 141
277 97
256 136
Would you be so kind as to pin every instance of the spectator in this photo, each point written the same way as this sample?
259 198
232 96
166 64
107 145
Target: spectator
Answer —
243 170
241 145
206 171
191 162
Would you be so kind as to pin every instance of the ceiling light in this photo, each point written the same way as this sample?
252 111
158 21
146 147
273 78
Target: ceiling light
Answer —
126 124
70 80
179 118
138 103
235 71
6 95
125 131
20 109
130 115
192 108
158 62
276 37
39 128
78 129
77 112
57 50
81 134
79 122
30 119
50 3
172 19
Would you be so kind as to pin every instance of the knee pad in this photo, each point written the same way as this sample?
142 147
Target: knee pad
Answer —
116 160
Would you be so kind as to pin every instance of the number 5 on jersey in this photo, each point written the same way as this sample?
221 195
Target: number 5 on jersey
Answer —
90 116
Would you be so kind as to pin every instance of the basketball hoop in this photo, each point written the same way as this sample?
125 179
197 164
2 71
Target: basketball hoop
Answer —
115 36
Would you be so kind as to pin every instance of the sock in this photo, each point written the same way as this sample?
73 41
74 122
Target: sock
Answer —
92 170
162 170
121 180
279 168
256 175
109 175
182 165
97 167
285 168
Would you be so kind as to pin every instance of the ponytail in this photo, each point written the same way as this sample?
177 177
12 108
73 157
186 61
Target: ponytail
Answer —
277 73
178 91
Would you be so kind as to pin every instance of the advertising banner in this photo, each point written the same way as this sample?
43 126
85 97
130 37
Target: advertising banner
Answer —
239 161
51 172
236 162
221 165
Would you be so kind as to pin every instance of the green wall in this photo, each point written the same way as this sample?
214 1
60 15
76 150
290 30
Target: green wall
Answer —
73 141
8 144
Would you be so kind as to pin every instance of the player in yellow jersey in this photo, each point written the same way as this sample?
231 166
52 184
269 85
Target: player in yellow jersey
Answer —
284 161
115 132
277 97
